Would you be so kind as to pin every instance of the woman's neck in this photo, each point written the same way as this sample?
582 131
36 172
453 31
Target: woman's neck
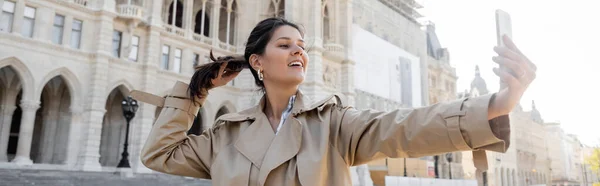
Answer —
277 100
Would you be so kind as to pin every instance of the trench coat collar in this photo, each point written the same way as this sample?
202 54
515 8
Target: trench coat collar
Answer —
259 143
301 104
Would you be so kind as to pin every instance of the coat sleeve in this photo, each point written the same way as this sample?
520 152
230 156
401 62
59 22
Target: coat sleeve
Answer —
461 125
169 149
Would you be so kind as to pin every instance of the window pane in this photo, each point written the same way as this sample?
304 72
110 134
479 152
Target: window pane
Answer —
29 12
177 65
77 24
165 62
8 6
59 20
116 35
196 59
6 20
133 54
27 27
76 34
177 62
165 57
178 53
116 44
165 49
57 34
75 39
135 41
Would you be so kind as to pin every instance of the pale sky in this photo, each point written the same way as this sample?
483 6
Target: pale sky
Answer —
561 37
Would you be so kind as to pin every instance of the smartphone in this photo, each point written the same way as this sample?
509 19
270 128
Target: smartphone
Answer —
503 27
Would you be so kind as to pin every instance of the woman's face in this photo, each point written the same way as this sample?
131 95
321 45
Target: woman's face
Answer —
285 60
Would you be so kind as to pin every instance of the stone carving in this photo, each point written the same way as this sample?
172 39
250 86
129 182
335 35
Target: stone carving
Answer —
7 109
330 77
29 105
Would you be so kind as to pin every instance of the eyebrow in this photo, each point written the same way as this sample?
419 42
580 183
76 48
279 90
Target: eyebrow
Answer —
287 38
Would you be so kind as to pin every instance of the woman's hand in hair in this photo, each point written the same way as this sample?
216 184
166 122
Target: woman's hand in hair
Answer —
516 74
224 76
214 74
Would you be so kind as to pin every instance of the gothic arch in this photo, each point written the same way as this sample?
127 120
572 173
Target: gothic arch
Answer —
69 78
224 108
53 119
123 85
113 127
327 18
228 21
274 8
27 85
168 13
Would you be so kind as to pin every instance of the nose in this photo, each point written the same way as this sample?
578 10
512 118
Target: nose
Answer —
297 50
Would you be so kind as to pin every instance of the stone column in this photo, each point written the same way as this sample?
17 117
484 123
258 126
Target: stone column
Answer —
93 114
348 64
7 113
74 137
142 123
188 8
314 73
18 17
29 108
47 140
214 19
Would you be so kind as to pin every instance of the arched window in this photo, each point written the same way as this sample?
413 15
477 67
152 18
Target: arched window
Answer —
276 8
176 10
202 20
326 22
228 21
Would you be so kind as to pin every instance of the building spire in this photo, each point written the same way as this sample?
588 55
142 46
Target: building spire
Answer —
477 70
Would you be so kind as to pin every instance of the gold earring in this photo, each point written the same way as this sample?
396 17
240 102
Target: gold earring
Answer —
260 75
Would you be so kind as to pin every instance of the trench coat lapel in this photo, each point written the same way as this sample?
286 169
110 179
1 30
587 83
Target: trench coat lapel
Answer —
254 142
259 143
284 147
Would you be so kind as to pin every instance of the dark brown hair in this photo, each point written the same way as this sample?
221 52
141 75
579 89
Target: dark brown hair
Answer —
256 44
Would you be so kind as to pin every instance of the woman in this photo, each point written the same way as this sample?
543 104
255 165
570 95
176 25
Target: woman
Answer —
288 140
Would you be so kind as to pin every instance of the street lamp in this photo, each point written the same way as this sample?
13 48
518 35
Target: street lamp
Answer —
129 106
435 165
405 167
449 158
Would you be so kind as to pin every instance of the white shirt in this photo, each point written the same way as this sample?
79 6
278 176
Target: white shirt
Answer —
286 113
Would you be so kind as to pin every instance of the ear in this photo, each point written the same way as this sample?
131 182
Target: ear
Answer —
255 62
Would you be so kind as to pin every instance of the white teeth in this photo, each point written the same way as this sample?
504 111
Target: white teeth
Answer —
295 63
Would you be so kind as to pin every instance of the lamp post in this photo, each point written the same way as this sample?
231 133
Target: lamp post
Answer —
449 158
129 106
435 165
405 167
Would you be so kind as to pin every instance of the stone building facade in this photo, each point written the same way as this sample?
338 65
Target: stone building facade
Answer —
568 157
66 65
540 153
442 87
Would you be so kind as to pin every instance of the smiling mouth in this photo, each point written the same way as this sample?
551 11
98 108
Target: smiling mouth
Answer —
296 64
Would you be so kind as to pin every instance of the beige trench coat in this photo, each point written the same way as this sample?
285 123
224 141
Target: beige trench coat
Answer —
316 145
